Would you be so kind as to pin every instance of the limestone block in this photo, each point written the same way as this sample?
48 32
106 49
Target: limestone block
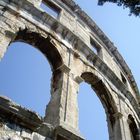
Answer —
26 135
68 20
36 136
35 2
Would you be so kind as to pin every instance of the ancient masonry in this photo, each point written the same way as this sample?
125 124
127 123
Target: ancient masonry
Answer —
78 51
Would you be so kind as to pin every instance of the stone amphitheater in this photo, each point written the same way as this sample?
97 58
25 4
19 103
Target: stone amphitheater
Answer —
78 51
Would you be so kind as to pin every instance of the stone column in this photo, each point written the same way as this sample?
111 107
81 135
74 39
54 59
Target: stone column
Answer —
136 132
62 110
71 103
138 135
121 128
118 132
63 106
110 130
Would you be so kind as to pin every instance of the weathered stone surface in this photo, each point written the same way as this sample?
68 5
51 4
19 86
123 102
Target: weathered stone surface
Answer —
77 51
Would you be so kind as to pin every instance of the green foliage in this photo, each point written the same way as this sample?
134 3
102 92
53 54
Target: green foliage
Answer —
133 5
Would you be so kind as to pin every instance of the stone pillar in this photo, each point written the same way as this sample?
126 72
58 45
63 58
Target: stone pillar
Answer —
121 128
52 115
110 129
62 110
63 106
118 132
71 102
138 135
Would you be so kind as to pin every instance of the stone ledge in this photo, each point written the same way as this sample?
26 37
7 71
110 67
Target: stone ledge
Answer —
62 133
17 114
45 130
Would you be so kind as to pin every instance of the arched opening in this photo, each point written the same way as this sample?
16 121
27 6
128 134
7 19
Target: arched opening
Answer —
25 73
134 133
92 118
25 77
96 118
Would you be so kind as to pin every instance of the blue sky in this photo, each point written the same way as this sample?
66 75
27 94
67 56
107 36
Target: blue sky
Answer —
25 73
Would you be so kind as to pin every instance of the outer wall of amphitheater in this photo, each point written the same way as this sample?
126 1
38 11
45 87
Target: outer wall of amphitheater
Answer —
78 51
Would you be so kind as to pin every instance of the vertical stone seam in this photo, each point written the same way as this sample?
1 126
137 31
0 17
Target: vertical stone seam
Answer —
67 88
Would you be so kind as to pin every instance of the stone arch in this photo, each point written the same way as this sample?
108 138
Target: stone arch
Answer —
51 51
107 100
134 132
45 45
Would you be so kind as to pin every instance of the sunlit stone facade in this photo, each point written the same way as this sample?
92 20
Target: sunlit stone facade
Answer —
78 51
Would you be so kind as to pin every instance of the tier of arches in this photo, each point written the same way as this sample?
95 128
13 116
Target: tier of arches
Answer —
54 56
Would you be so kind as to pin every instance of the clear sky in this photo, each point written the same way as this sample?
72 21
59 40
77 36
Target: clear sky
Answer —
25 73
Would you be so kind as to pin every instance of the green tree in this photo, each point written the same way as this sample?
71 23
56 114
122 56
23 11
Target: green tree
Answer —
133 5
